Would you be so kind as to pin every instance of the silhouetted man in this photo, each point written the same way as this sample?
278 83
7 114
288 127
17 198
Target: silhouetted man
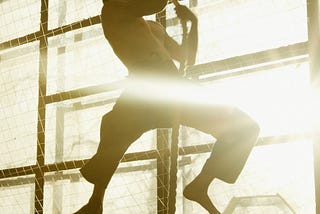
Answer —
148 52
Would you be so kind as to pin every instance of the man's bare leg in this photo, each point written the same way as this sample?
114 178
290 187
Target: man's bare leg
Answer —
229 153
197 191
95 204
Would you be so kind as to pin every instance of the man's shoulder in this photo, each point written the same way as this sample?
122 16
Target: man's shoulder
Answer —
118 10
154 25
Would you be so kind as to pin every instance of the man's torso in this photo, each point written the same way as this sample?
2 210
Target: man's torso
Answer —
139 44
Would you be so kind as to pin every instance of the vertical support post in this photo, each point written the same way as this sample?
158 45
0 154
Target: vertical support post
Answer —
163 157
174 165
57 188
314 55
162 171
31 209
39 175
175 130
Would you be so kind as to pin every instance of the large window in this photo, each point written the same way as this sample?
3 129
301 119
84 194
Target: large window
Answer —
59 76
19 99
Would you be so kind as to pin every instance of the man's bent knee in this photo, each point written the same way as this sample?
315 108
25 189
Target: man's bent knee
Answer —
245 127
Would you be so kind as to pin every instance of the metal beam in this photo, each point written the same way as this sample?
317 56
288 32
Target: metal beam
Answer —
49 33
39 174
314 53
248 70
162 153
74 176
162 171
268 56
251 59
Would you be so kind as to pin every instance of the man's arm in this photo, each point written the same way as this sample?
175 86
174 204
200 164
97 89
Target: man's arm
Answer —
185 14
184 52
173 48
176 51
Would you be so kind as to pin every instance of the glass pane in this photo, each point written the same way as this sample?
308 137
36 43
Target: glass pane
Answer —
63 12
18 18
131 190
19 105
68 189
73 128
17 195
279 98
274 180
81 58
233 28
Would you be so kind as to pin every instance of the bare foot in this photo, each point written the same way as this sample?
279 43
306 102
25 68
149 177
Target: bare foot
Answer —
196 191
90 209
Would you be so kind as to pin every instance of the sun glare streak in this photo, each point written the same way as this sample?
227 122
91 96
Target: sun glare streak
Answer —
169 90
281 100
